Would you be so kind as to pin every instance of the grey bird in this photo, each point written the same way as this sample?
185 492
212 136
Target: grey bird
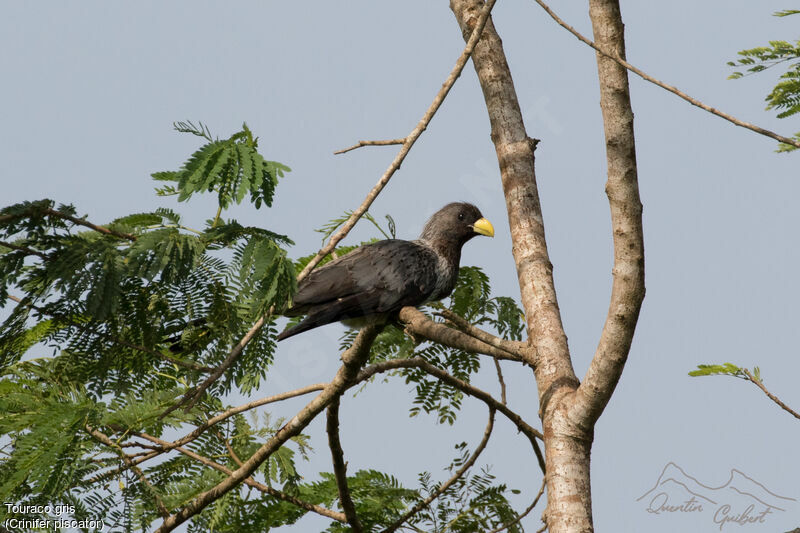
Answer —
375 281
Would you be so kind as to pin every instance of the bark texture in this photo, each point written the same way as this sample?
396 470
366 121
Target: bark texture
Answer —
622 188
568 409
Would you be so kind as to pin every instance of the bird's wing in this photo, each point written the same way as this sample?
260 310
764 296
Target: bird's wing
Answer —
376 278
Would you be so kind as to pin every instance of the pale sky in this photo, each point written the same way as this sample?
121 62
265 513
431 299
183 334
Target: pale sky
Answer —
91 89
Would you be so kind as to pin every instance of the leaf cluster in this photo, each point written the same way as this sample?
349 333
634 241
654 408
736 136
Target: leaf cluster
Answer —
725 369
475 502
785 96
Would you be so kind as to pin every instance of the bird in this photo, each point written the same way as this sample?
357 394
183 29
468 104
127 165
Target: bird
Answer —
373 282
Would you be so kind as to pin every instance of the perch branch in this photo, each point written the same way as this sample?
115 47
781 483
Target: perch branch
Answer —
418 324
512 347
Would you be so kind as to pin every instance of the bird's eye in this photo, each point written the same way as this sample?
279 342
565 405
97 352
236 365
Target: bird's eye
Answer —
461 216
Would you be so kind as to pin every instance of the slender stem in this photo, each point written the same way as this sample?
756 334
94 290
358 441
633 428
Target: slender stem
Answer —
674 90
250 482
455 477
370 143
526 511
340 467
771 396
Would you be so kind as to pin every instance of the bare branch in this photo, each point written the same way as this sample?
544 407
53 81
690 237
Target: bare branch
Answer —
409 142
622 188
512 347
352 359
251 482
771 396
608 52
418 324
340 467
501 380
455 477
526 511
104 439
463 386
370 143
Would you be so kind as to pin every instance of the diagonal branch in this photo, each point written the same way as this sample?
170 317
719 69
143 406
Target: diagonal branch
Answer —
250 482
340 467
455 477
29 251
418 324
524 513
463 386
622 188
409 141
38 212
104 439
211 422
771 396
608 51
353 359
359 212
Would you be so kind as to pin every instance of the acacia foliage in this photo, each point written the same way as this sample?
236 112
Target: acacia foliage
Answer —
109 327
785 96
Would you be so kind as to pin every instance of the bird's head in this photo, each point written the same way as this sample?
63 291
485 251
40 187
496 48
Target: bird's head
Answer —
457 222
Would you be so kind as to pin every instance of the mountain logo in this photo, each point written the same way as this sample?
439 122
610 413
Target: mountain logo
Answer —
740 500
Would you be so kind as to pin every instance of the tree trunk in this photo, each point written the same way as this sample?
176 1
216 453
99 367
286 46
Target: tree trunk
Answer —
568 409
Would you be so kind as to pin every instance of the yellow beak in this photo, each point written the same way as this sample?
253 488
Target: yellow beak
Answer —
484 227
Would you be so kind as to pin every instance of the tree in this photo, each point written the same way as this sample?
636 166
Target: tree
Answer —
125 302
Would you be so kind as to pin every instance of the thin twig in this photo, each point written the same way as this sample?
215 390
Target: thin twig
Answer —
670 88
409 141
526 511
211 422
340 467
455 477
38 213
771 396
501 380
194 396
353 359
370 143
463 386
252 483
104 439
29 251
